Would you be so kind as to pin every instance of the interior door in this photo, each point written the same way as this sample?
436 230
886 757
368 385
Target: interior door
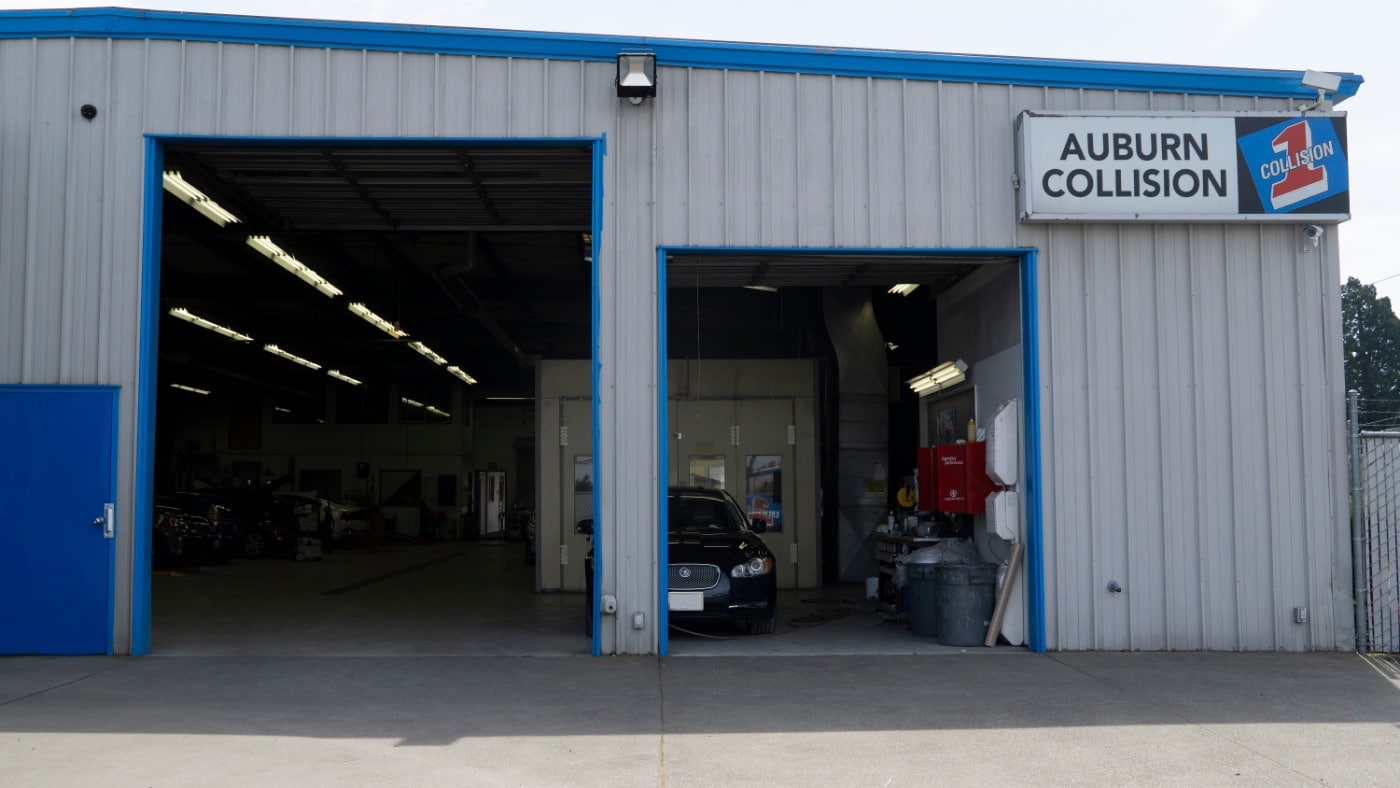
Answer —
764 478
57 490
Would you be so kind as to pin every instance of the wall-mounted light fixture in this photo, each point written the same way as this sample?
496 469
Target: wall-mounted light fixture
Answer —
636 76
196 199
949 373
279 352
189 317
341 376
377 321
1323 83
903 290
301 270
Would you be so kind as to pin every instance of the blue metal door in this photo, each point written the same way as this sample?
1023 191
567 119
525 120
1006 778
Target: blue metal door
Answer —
57 485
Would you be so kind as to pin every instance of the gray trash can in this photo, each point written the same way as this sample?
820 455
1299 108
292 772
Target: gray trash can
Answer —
966 598
923 599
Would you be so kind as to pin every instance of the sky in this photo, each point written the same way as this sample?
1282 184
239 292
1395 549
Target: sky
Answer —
1343 36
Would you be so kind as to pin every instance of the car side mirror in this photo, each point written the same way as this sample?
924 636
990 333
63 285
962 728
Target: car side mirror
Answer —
758 525
584 527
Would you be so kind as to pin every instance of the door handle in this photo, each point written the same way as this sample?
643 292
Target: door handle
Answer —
107 521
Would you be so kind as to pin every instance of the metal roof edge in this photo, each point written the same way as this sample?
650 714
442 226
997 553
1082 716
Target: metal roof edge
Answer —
124 23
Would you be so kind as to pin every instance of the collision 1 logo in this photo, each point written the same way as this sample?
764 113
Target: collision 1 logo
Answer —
1295 163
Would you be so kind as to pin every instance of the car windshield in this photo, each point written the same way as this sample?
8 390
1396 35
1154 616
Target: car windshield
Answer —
702 514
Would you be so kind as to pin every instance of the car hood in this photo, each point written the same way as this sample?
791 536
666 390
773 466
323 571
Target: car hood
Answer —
695 548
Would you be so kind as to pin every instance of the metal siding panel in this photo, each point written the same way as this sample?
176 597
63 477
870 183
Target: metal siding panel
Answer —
564 105
52 109
743 161
778 141
17 89
673 160
345 102
850 184
888 222
1253 509
82 271
309 88
958 180
1107 473
490 95
237 92
1175 306
417 94
816 142
705 222
1143 526
382 94
529 98
1210 344
454 106
923 158
199 91
272 85
996 165
161 98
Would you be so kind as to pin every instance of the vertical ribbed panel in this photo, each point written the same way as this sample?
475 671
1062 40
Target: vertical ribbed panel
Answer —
1191 392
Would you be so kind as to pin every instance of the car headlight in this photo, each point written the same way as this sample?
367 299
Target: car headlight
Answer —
753 567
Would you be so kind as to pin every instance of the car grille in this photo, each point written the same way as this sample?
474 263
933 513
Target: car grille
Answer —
692 577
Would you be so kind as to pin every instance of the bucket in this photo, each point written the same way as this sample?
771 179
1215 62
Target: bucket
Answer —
923 600
872 587
966 599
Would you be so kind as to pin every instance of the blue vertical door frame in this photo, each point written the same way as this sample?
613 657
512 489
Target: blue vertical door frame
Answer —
1030 360
600 150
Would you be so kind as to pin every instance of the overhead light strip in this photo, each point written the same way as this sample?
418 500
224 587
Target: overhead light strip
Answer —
947 374
377 321
191 389
277 351
338 375
468 379
429 408
190 317
903 290
427 353
196 199
301 270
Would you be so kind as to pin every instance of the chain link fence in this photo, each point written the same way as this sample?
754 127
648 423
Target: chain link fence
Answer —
1375 512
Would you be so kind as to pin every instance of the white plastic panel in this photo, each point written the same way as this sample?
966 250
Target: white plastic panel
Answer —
1003 438
1004 515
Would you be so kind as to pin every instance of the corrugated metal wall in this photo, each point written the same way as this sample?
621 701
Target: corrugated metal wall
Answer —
1192 397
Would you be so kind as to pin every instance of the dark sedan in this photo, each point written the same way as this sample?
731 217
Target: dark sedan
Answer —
181 538
719 568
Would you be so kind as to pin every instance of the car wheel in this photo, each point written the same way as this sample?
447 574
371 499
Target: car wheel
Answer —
762 627
254 545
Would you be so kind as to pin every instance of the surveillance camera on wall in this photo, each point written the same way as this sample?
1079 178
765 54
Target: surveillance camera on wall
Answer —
1311 234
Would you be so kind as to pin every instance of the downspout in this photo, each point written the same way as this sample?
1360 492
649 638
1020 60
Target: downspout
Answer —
1358 532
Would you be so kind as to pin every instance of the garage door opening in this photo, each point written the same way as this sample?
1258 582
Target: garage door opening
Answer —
787 388
344 380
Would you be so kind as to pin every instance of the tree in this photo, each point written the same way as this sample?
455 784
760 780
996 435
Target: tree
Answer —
1371 349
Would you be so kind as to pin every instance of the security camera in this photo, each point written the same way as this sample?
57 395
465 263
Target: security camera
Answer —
1312 232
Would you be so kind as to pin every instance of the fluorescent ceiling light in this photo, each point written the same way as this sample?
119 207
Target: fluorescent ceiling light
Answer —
468 379
377 321
947 374
509 399
196 199
190 389
186 315
427 353
303 272
903 290
277 351
761 288
429 408
338 375
281 409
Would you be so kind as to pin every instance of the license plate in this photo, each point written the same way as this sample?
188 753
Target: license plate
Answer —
686 600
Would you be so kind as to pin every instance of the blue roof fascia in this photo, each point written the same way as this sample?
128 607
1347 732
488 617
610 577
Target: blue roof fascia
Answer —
1040 72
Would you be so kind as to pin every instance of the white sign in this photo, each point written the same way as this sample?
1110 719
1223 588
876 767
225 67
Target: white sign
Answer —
1182 167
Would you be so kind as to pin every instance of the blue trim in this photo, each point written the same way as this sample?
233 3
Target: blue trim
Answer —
599 151
117 23
112 492
146 396
1030 359
663 386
